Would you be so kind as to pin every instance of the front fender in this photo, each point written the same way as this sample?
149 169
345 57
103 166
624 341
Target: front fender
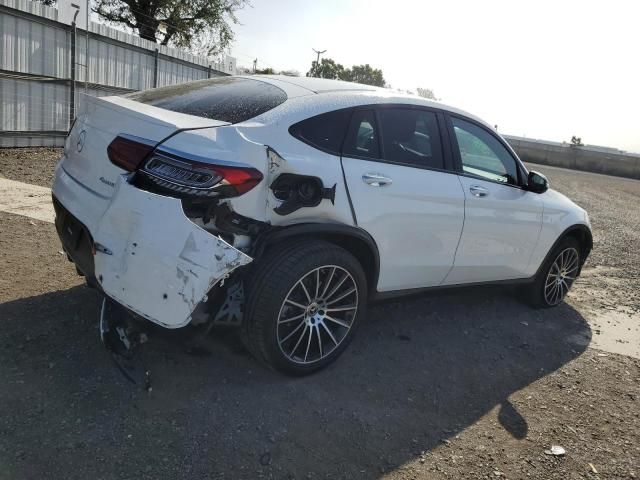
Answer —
560 217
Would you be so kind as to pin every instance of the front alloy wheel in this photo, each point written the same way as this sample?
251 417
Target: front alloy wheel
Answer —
556 276
561 276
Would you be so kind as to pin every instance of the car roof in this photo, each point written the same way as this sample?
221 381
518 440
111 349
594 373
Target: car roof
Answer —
317 85
335 92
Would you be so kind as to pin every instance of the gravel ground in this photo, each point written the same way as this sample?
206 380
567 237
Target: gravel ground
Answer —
612 203
468 384
29 165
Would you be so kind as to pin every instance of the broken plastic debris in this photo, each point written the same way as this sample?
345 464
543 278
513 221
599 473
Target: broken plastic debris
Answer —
556 451
593 468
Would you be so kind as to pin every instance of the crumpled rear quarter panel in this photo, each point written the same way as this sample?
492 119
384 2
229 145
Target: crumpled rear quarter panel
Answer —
161 265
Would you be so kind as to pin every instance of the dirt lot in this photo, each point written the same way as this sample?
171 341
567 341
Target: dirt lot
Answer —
470 384
29 165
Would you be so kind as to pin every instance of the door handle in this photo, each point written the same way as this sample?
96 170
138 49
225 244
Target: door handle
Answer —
376 180
478 191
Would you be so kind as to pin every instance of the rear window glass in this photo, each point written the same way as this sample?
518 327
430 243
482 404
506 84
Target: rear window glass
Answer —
362 138
411 137
228 99
325 131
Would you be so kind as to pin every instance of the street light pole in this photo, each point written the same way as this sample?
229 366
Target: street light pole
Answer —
319 52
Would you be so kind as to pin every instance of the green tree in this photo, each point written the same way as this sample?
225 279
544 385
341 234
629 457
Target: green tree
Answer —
327 68
265 71
426 93
576 142
364 74
175 22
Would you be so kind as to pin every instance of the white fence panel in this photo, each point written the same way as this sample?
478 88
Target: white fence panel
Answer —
39 87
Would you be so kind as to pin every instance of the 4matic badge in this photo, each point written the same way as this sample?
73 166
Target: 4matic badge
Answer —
107 182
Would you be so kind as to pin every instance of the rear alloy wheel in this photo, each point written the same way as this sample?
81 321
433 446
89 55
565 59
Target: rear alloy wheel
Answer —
304 303
317 314
556 276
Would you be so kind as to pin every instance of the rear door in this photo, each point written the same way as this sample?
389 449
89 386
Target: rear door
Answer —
404 193
502 220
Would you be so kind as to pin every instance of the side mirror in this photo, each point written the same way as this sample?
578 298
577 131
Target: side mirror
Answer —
537 183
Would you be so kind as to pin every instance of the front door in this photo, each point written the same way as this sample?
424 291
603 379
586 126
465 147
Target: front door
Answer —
403 194
502 220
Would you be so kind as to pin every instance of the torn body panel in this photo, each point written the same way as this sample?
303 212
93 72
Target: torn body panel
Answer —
301 191
154 260
272 154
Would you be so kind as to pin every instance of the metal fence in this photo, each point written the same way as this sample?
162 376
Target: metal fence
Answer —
46 65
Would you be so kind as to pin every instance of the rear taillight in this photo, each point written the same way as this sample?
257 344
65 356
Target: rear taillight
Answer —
128 151
191 178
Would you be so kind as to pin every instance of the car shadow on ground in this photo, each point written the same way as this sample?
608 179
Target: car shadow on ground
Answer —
419 371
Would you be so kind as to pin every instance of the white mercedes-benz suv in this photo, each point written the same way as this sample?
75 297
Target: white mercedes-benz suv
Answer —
283 205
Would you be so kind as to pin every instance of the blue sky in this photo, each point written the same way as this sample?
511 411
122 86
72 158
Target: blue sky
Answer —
543 69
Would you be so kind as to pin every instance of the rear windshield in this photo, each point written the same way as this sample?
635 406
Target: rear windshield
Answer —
228 99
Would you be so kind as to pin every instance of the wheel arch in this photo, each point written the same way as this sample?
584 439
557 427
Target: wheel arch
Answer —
353 239
582 234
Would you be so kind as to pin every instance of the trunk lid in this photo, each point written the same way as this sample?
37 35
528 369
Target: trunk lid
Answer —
100 120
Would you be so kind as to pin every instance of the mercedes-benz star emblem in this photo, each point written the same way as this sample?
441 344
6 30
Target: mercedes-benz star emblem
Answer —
81 137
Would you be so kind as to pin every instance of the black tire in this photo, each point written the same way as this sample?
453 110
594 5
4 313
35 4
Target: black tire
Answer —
272 281
540 294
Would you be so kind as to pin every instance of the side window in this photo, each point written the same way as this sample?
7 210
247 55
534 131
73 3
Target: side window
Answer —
411 136
325 131
483 155
362 138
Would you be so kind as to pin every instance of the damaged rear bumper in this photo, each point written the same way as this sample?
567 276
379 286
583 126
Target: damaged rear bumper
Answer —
149 257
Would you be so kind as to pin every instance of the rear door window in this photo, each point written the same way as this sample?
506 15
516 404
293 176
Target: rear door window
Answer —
228 99
325 132
411 137
362 137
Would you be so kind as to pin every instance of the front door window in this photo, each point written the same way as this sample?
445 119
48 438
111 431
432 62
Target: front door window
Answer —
482 155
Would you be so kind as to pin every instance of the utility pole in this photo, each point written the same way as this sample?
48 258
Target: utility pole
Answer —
72 94
319 52
86 52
